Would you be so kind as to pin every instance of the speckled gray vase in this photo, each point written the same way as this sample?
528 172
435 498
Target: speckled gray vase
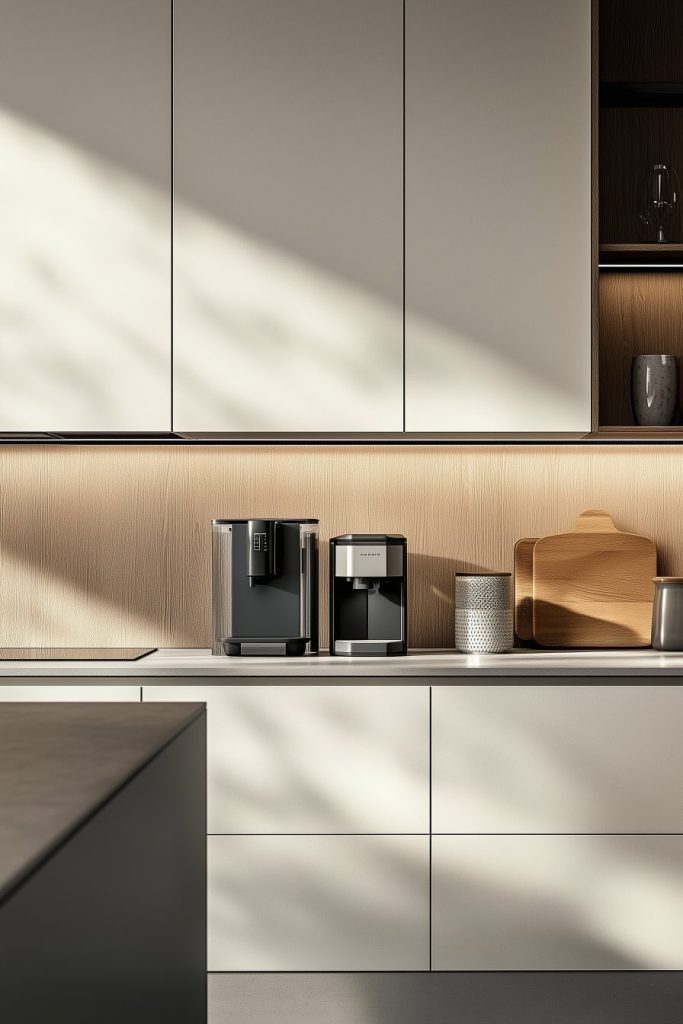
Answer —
483 613
654 390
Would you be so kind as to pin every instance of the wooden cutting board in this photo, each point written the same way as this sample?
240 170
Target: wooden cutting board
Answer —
524 589
593 586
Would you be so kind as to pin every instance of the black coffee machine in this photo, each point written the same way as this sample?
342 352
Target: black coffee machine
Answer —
265 586
368 594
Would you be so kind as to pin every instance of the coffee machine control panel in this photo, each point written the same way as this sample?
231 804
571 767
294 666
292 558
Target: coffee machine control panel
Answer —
260 550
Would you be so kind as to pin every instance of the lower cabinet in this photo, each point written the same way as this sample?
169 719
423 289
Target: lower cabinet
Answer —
565 903
318 903
555 810
73 692
318 820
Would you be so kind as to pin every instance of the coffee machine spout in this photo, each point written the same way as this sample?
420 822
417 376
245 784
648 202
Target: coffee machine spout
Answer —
363 583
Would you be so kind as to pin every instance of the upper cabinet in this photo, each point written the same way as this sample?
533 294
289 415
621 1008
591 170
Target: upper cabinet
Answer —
375 217
288 133
498 215
85 226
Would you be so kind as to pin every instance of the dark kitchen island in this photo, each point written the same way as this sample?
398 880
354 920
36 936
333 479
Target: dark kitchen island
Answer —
103 863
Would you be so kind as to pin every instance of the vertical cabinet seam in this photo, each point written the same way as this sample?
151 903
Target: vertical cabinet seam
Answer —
403 215
430 827
172 239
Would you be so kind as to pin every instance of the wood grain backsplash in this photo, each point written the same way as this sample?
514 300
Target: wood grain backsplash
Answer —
111 545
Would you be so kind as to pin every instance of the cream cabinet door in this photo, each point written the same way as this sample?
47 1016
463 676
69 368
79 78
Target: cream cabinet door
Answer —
19 692
85 225
557 903
498 215
318 903
314 758
288 215
558 758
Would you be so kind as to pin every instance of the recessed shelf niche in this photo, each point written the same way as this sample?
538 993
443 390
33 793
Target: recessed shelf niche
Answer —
638 103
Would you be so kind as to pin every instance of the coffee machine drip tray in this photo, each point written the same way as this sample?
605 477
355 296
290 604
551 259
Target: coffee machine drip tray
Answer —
374 647
264 647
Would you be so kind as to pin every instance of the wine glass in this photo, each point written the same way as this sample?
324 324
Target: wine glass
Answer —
660 210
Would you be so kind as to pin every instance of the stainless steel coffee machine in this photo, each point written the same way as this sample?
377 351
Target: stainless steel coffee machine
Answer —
368 594
265 586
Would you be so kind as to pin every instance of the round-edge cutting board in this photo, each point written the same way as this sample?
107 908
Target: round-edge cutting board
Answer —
593 586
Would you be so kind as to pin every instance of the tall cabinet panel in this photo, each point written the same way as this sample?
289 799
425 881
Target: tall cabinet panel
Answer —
85 170
288 215
498 206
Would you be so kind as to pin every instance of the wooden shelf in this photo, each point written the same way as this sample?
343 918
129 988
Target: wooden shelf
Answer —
641 94
635 433
641 254
649 247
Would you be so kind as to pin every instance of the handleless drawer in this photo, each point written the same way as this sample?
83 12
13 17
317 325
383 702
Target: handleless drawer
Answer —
553 759
314 759
560 903
318 903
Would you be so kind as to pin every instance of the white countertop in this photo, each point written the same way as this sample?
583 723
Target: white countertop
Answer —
185 663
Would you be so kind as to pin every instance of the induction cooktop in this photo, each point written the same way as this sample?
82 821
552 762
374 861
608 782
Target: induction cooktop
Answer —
74 653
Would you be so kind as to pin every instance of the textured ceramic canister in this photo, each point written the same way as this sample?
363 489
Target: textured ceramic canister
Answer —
654 390
483 612
667 614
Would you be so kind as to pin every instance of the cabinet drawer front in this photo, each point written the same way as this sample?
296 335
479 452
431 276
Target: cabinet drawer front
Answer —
19 693
546 759
314 759
318 903
557 903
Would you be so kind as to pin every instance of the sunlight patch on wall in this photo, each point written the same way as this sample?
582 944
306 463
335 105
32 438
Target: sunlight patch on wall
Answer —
40 609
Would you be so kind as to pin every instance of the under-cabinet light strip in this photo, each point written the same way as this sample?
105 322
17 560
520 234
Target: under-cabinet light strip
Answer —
641 266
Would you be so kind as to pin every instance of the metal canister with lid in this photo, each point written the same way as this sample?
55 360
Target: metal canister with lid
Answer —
667 614
483 612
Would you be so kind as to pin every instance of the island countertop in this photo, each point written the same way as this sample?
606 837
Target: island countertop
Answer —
187 663
59 763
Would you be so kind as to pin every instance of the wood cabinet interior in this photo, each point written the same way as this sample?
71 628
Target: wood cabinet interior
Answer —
632 140
640 312
639 40
638 103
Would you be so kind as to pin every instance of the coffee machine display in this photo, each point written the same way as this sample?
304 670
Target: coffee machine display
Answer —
265 586
368 594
